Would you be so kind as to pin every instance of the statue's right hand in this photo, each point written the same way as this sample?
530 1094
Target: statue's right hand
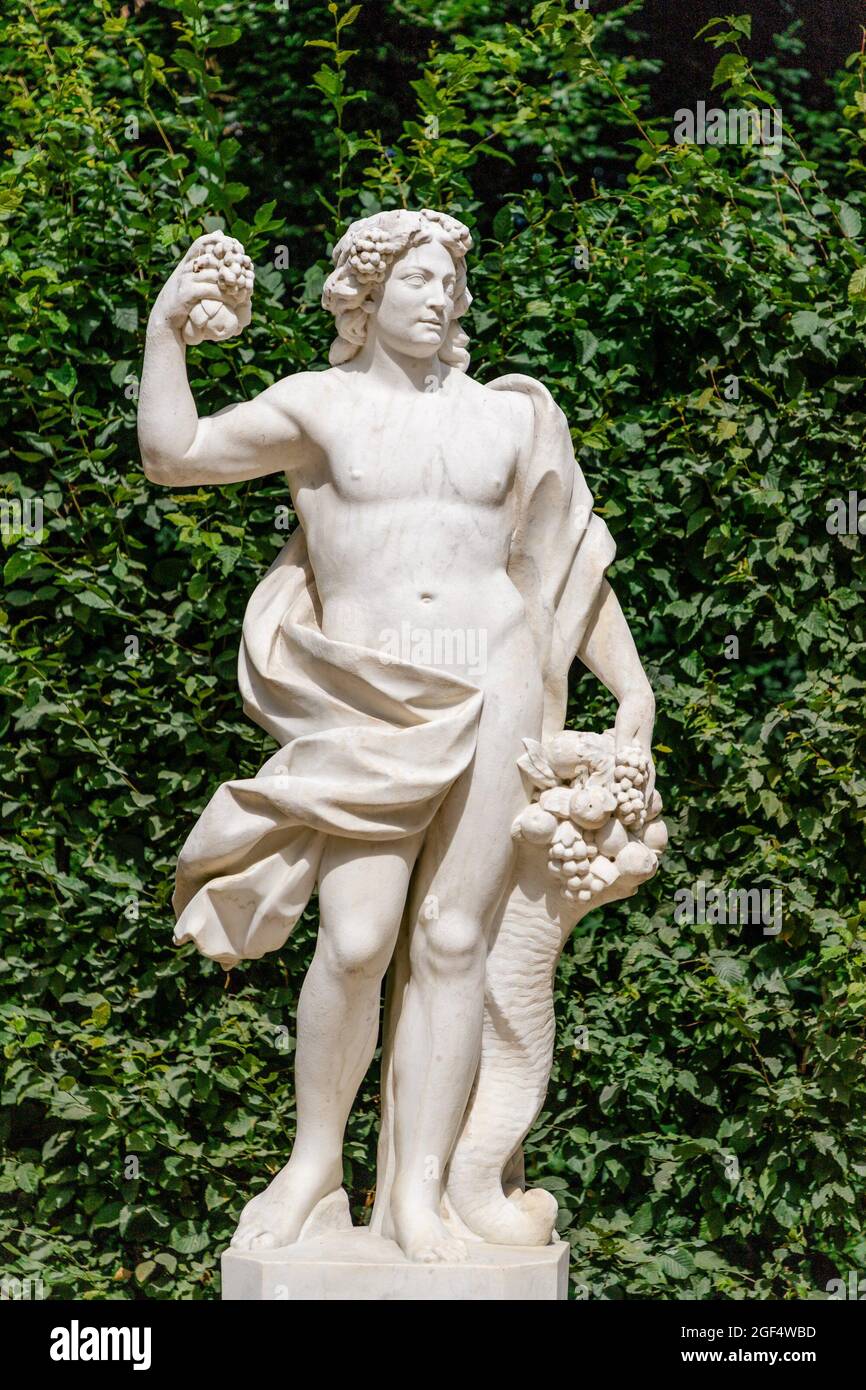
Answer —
208 293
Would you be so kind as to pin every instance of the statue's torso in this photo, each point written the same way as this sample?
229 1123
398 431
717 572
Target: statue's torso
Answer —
407 502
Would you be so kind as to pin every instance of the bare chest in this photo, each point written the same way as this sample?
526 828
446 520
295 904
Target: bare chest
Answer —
426 449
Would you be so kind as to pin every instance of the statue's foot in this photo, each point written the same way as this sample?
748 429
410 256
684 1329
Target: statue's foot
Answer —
274 1217
423 1236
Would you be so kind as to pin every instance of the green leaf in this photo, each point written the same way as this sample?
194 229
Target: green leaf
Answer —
677 1264
223 35
857 284
187 1238
503 224
806 323
728 69
63 377
850 220
349 17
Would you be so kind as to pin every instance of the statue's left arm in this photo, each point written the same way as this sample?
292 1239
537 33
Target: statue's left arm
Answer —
609 651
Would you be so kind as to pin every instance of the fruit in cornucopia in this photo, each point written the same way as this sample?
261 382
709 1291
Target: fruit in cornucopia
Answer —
564 753
636 860
556 801
535 825
590 806
654 807
566 834
605 870
655 836
611 838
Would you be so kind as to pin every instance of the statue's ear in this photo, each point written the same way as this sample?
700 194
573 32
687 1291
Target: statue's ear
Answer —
374 298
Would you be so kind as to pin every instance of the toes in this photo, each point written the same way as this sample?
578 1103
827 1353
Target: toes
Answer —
248 1231
264 1241
443 1252
452 1253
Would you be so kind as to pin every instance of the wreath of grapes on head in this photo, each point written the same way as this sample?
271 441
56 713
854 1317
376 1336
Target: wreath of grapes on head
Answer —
362 259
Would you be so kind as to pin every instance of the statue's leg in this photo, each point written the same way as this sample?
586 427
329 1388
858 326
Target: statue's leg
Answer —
362 893
462 875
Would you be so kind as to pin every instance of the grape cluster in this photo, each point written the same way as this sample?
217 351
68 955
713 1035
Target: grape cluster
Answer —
629 780
569 862
372 251
226 255
221 318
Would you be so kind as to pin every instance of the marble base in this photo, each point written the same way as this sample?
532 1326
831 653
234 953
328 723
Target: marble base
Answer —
359 1266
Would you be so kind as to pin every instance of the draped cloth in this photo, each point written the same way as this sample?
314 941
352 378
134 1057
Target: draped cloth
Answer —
369 745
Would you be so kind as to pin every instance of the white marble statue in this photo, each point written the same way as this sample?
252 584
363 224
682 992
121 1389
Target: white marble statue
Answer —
409 652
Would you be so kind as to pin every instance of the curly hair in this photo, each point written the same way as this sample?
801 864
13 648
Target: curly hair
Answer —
364 255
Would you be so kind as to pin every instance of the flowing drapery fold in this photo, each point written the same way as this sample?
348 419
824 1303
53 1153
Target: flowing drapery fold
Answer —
370 745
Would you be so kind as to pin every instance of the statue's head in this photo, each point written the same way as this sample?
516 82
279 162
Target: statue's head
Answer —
407 270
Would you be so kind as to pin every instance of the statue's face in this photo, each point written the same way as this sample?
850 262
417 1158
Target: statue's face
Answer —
416 303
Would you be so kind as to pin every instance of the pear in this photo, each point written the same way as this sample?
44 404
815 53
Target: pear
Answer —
655 836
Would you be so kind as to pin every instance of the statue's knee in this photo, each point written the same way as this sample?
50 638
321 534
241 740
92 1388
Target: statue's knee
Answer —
452 941
362 948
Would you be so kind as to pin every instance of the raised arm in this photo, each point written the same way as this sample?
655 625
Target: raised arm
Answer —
245 440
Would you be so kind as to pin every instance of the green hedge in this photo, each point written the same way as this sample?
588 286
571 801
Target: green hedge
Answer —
709 1142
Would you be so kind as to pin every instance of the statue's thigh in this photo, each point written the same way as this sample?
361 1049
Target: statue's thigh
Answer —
468 852
363 886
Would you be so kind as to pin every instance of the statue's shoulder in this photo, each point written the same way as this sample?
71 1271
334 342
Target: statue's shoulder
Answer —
301 385
308 397
530 400
512 395
525 388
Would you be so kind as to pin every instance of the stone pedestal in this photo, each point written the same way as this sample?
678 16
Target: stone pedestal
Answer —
359 1266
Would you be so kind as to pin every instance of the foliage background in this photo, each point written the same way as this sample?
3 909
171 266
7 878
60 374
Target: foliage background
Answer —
125 134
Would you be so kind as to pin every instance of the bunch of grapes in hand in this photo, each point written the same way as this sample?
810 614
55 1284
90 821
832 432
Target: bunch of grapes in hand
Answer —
231 269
